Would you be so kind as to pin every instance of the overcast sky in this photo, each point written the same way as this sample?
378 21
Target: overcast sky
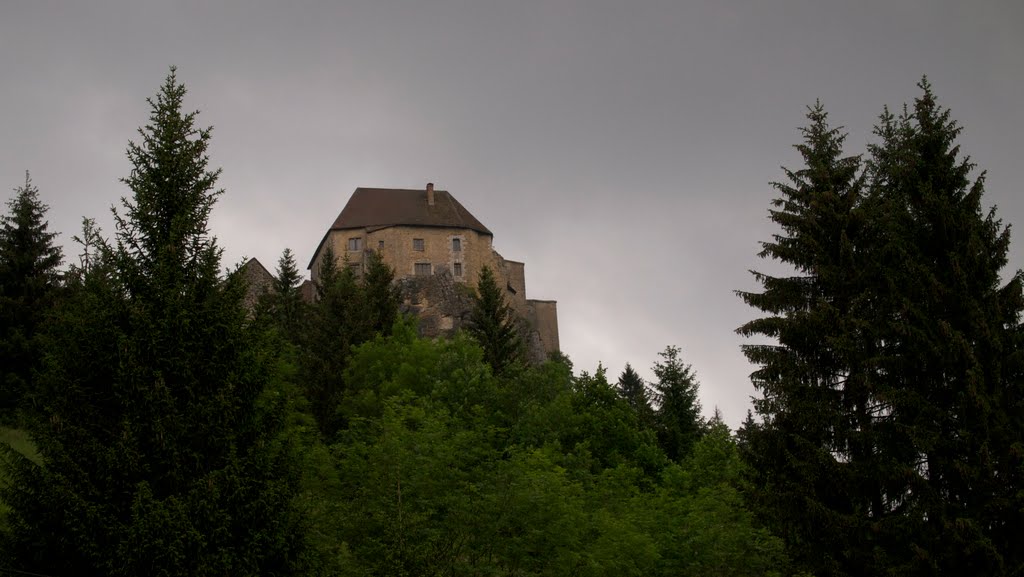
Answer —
623 150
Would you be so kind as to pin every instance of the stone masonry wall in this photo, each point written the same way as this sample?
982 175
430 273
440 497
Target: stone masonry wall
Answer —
443 298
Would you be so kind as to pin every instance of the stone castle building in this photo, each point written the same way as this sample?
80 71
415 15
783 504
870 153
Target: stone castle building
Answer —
437 249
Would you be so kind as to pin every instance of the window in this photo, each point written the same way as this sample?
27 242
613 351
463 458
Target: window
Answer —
417 244
356 268
355 243
380 245
456 244
457 269
422 269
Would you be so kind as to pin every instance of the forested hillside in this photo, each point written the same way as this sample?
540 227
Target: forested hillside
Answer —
156 426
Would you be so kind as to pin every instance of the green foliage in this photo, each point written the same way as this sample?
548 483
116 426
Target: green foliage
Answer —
348 312
704 526
161 416
285 301
445 468
817 470
337 323
634 391
890 416
678 418
382 295
947 342
494 325
602 431
28 288
327 270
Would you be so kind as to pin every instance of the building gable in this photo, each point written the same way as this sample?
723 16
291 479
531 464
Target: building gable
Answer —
376 208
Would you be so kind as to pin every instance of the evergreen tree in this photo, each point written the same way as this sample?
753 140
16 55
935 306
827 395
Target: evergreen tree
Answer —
327 271
948 338
382 295
678 420
28 286
891 402
162 453
814 458
348 312
633 389
286 300
337 323
494 324
93 247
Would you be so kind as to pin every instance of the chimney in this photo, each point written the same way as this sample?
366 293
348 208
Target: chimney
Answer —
430 194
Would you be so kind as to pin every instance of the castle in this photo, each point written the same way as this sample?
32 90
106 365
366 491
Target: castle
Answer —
436 247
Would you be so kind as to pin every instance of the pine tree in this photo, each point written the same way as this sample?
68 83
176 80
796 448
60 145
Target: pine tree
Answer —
337 323
288 309
633 389
494 325
162 452
891 410
813 457
382 296
678 420
948 338
348 312
327 271
29 281
93 247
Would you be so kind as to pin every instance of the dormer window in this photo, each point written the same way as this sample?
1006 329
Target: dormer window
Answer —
355 243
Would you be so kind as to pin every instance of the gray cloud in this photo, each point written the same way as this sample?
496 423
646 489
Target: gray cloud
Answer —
623 150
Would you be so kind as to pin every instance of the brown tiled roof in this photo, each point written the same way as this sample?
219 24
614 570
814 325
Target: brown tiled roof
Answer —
383 207
377 208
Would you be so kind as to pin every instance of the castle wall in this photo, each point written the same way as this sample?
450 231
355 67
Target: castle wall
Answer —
543 317
513 274
397 246
258 282
450 264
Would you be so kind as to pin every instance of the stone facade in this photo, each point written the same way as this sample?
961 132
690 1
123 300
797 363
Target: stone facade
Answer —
437 249
258 282
404 247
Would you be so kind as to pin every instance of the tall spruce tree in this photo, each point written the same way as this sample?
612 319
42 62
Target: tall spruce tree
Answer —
891 400
632 388
678 420
161 451
337 323
494 324
28 285
382 295
286 304
814 457
949 350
